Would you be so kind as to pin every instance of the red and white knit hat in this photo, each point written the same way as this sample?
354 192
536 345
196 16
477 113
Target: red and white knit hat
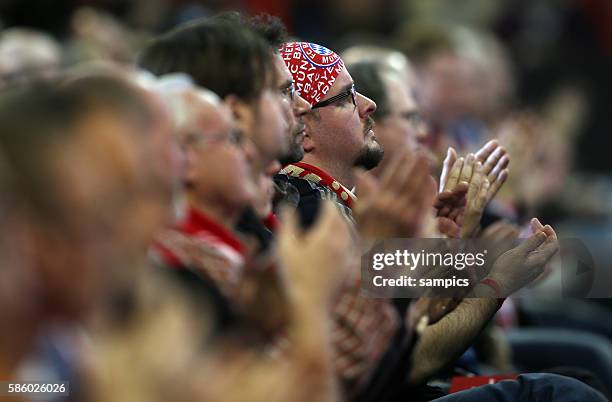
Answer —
314 68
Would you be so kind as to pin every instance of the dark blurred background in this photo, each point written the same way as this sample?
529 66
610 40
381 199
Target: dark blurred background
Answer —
545 58
551 42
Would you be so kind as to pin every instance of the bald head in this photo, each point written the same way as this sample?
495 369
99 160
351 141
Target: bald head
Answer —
195 110
216 165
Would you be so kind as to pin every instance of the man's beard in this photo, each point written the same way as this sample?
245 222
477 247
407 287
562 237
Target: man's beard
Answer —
295 154
372 152
370 156
296 149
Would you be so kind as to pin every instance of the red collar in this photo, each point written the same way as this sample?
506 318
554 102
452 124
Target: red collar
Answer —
312 173
196 222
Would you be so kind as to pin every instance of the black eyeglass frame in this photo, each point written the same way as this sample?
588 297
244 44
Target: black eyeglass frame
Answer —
342 95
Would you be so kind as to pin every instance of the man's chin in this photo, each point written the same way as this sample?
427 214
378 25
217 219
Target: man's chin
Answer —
370 156
295 154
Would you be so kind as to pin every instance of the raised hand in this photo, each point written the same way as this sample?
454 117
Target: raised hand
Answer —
477 199
464 195
467 185
535 225
499 237
395 205
315 261
447 165
451 201
495 160
518 267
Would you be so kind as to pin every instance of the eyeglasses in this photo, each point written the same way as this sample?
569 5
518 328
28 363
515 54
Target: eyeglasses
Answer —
415 119
235 137
342 95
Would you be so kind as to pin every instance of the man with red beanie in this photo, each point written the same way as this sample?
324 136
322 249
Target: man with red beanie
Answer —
339 120
338 138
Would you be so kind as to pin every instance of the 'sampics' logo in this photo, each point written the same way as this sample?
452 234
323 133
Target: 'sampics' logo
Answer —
319 55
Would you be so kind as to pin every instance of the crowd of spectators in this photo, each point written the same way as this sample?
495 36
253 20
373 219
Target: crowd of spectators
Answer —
188 198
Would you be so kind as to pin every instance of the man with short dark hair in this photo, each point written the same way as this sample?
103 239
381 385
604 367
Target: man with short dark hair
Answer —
236 64
273 30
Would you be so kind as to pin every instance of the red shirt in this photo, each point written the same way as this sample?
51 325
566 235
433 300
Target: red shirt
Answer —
199 243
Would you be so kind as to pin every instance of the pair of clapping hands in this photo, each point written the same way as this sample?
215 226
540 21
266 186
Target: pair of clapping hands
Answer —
467 185
398 204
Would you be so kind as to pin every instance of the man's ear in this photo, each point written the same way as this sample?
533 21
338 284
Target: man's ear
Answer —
241 111
308 144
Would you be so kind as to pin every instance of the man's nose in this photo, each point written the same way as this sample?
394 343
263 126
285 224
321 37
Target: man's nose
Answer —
365 105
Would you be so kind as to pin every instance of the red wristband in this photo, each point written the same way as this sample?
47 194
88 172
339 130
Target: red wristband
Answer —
493 285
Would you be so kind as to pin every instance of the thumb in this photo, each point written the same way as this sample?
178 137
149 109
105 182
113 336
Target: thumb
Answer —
451 157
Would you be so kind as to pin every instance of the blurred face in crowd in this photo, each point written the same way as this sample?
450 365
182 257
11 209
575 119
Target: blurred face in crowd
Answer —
217 170
158 152
96 176
403 125
264 122
161 170
449 88
271 125
295 108
237 64
343 131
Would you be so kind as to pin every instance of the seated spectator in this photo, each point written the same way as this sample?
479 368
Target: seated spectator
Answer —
65 207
